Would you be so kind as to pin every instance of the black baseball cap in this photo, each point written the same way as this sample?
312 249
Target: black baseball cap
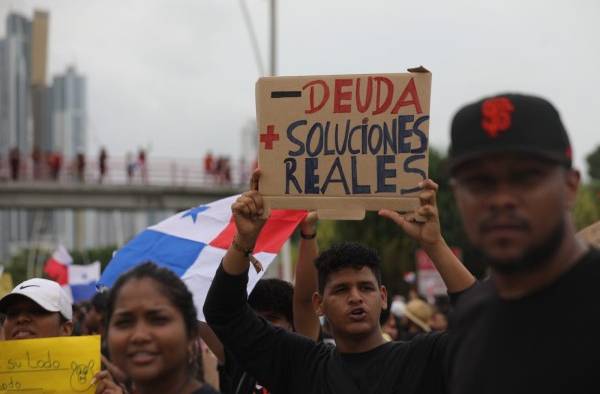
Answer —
508 123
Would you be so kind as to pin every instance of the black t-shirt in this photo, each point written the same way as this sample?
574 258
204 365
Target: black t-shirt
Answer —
285 362
546 342
206 389
399 367
233 379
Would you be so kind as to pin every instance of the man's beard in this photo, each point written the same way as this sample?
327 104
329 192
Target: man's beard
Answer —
532 259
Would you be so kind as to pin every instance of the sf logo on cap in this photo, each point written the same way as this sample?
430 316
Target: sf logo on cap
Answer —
496 115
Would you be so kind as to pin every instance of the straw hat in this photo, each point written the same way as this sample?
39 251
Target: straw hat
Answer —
591 234
419 312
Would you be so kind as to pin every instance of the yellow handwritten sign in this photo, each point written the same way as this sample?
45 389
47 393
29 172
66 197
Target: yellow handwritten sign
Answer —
49 365
6 283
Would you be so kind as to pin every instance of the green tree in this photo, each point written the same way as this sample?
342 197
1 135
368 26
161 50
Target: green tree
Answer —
17 266
587 207
593 161
102 254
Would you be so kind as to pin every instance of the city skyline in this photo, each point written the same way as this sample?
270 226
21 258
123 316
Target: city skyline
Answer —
43 128
37 116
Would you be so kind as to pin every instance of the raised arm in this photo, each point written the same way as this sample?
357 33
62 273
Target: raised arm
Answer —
247 213
306 321
212 341
264 351
428 234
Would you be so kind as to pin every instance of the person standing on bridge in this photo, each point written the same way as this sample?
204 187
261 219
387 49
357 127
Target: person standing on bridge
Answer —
102 164
55 163
36 158
14 157
142 165
80 166
130 166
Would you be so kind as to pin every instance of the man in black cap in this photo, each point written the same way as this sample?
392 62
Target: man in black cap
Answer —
531 327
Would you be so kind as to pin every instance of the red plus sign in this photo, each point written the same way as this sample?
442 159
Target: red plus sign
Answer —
269 137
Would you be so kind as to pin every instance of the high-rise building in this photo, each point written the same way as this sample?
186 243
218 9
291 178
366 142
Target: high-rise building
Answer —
36 116
22 109
15 116
39 47
15 124
39 94
67 105
68 113
4 139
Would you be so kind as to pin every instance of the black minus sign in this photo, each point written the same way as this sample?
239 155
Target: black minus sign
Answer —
286 93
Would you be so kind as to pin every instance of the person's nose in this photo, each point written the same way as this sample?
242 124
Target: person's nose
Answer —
141 333
23 317
355 296
502 196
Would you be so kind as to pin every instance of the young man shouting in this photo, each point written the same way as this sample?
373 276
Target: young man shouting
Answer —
350 296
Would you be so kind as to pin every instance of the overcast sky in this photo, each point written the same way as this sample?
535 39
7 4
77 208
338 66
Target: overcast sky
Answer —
178 76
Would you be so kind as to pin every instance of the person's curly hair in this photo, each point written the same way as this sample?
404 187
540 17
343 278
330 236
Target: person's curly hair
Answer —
346 255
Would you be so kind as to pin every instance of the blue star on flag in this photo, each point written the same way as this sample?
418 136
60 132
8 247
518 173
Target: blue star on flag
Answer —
193 213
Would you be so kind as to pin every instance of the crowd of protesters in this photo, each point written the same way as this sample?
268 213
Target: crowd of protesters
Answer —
112 315
527 328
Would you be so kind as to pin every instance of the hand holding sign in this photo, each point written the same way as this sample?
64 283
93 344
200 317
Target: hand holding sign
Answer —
249 217
309 225
427 229
343 144
105 384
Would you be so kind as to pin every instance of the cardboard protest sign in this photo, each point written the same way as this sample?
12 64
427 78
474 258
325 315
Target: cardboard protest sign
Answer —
591 234
57 365
343 144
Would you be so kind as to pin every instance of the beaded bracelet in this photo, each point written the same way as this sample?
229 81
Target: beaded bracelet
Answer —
307 236
247 253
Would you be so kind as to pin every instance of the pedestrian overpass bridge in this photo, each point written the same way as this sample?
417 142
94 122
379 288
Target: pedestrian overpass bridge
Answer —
57 195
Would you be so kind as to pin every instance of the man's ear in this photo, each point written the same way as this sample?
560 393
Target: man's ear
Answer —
317 301
572 179
383 291
66 328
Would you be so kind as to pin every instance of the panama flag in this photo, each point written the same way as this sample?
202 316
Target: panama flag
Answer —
193 242
79 281
57 266
83 280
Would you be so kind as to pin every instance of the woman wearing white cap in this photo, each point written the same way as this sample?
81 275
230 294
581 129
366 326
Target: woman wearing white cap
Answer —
37 308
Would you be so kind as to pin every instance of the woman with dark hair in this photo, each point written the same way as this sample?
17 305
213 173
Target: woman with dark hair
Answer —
152 334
